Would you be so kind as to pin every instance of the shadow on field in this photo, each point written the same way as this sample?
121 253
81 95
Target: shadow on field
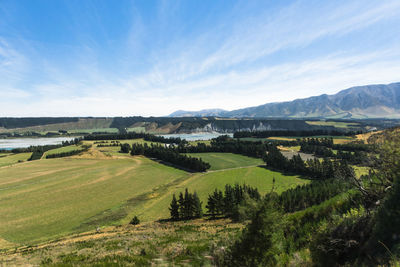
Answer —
173 165
287 173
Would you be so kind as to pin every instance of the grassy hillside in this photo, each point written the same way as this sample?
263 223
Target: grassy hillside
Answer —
10 159
62 150
82 123
336 124
219 161
49 198
149 244
205 183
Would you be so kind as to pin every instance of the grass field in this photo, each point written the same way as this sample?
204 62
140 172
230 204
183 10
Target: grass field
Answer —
194 143
102 130
47 199
359 170
13 158
219 161
336 139
206 183
113 150
336 124
50 198
137 129
62 149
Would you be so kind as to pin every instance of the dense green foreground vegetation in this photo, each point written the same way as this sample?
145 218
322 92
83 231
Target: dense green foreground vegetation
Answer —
165 244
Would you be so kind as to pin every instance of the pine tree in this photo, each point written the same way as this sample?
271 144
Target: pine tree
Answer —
256 246
174 209
181 203
211 205
198 211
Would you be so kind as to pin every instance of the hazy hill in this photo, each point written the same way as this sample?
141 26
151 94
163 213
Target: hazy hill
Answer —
201 113
369 101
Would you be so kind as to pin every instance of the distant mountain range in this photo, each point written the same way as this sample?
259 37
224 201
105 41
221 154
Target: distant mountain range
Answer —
369 101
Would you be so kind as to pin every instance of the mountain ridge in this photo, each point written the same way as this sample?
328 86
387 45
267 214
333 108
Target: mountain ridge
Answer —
367 101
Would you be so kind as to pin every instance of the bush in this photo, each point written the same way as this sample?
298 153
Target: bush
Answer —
135 221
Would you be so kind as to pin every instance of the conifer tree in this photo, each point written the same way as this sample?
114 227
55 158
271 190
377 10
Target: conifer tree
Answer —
211 205
198 211
181 203
174 209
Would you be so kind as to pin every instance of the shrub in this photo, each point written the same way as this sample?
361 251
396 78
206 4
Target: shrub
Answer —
135 221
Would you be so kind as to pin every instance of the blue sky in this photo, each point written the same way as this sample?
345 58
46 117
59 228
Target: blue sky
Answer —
125 58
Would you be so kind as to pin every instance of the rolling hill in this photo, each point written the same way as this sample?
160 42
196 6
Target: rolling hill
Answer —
369 101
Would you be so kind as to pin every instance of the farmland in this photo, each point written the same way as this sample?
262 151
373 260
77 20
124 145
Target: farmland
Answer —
78 209
7 159
50 198
221 161
336 124
62 150
205 184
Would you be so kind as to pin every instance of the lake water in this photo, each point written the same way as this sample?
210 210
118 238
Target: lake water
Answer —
196 136
8 144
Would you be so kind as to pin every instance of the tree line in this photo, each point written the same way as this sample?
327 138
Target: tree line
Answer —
229 202
300 133
133 135
313 168
68 153
227 144
167 155
314 193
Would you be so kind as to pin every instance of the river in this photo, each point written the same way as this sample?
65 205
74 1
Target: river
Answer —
11 143
196 136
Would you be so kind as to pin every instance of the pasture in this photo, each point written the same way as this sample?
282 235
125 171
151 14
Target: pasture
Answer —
219 161
10 159
336 124
336 139
62 150
49 198
205 183
94 130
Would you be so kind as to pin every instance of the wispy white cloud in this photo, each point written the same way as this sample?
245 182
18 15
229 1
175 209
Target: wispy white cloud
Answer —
239 68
